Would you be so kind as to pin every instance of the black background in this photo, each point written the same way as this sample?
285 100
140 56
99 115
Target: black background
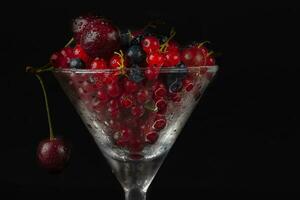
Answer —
243 136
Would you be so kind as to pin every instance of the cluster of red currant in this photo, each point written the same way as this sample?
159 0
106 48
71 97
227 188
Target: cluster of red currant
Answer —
135 95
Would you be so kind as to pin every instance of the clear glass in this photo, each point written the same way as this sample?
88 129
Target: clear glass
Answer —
134 165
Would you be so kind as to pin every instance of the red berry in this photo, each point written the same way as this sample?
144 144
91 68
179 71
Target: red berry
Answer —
100 38
151 73
151 137
203 49
136 145
199 58
130 86
114 113
58 60
137 111
188 84
142 96
159 122
53 154
172 58
150 44
172 46
113 90
98 63
161 105
155 59
115 61
159 90
187 56
210 61
126 100
123 137
176 97
109 78
67 52
113 104
102 96
80 53
79 24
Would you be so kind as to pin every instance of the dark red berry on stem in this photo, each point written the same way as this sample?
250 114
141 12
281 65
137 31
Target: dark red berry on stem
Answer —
150 44
58 60
100 38
126 100
53 154
172 47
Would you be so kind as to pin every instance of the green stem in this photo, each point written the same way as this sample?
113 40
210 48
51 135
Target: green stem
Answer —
47 106
70 41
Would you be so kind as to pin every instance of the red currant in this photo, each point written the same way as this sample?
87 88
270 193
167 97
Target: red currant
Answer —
210 60
102 96
159 122
113 90
159 90
123 137
98 63
199 58
150 44
80 53
115 61
188 84
151 137
155 59
142 96
172 58
137 111
151 73
172 46
187 56
58 60
67 52
161 105
126 100
130 86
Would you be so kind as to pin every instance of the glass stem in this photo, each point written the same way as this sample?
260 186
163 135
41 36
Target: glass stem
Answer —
135 194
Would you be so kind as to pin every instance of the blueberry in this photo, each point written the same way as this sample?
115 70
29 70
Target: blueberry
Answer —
136 54
137 40
136 74
183 70
125 37
76 63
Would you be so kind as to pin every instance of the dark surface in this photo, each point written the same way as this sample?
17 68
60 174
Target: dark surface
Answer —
243 136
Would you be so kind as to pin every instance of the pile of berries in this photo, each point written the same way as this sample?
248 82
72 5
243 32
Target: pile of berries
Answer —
133 98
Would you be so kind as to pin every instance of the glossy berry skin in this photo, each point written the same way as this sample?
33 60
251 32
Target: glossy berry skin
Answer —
58 60
102 96
159 122
67 52
150 44
210 60
199 58
137 111
80 53
188 84
172 58
172 47
115 61
76 63
53 154
151 137
130 86
161 105
100 38
135 73
142 96
159 90
113 90
155 59
126 100
79 24
98 63
151 73
136 54
187 56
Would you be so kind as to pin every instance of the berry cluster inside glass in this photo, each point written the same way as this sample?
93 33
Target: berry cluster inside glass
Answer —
135 120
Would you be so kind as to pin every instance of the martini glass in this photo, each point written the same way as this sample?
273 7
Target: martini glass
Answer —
134 162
